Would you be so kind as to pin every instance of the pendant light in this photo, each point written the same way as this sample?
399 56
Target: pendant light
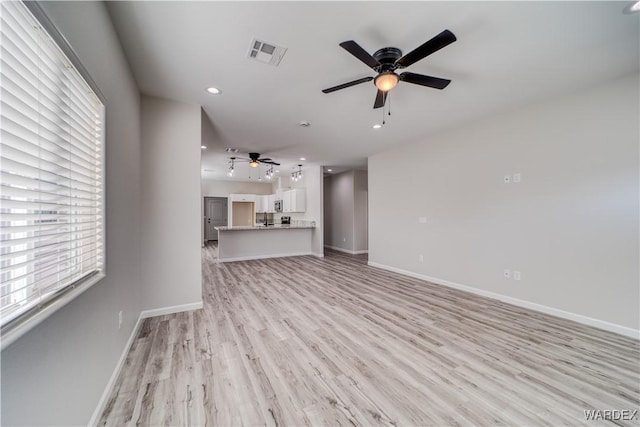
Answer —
297 175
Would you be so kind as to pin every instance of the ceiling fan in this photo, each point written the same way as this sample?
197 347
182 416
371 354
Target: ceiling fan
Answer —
387 60
255 160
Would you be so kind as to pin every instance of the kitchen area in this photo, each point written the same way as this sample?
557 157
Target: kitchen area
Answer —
261 226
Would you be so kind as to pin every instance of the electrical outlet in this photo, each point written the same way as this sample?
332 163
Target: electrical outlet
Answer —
517 177
506 179
516 275
344 239
507 274
422 220
420 258
120 319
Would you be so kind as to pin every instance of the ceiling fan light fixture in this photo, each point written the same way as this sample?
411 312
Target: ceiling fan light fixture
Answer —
386 81
254 164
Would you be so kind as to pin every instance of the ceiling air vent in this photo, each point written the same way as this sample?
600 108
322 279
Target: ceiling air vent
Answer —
267 53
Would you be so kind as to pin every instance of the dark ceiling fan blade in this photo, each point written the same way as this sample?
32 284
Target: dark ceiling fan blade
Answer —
420 79
345 85
262 159
381 98
443 39
269 162
354 49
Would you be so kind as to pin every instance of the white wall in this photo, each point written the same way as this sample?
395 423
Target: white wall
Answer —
56 374
171 138
570 227
345 211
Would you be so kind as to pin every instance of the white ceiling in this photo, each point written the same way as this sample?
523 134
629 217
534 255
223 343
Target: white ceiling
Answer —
508 54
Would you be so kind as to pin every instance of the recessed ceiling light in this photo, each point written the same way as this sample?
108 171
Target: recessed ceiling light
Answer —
204 147
303 159
231 150
214 90
633 7
376 126
329 170
304 124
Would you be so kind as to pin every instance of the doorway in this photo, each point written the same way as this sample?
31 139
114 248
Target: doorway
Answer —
346 211
215 215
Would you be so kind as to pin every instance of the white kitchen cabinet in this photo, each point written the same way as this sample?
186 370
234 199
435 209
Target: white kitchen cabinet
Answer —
271 203
242 197
262 204
294 200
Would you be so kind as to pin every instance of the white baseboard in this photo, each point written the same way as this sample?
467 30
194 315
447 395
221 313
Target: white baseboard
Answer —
347 251
170 310
318 255
104 399
600 324
252 257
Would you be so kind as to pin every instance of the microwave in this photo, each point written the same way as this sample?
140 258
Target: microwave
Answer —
278 206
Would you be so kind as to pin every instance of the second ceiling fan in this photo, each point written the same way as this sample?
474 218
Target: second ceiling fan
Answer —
255 160
387 60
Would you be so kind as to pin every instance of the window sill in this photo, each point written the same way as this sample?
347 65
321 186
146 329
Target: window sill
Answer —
31 321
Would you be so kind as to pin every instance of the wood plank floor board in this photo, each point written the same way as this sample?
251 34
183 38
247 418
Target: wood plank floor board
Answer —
332 341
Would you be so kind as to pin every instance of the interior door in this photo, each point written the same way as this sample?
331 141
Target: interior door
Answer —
216 216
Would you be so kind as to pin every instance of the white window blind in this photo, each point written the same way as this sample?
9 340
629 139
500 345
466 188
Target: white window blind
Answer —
51 169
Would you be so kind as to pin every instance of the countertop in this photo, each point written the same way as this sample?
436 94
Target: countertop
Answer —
262 227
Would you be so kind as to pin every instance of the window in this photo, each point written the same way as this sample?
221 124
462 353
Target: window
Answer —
51 170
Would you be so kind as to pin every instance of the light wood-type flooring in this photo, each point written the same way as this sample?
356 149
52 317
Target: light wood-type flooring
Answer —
310 341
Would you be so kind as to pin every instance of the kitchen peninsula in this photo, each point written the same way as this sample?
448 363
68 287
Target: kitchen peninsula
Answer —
240 243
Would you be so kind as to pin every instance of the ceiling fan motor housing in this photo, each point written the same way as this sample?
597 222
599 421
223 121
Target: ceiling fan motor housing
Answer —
387 57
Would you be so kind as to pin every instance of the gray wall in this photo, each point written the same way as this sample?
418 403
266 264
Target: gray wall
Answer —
345 211
55 374
338 214
360 211
570 227
171 201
